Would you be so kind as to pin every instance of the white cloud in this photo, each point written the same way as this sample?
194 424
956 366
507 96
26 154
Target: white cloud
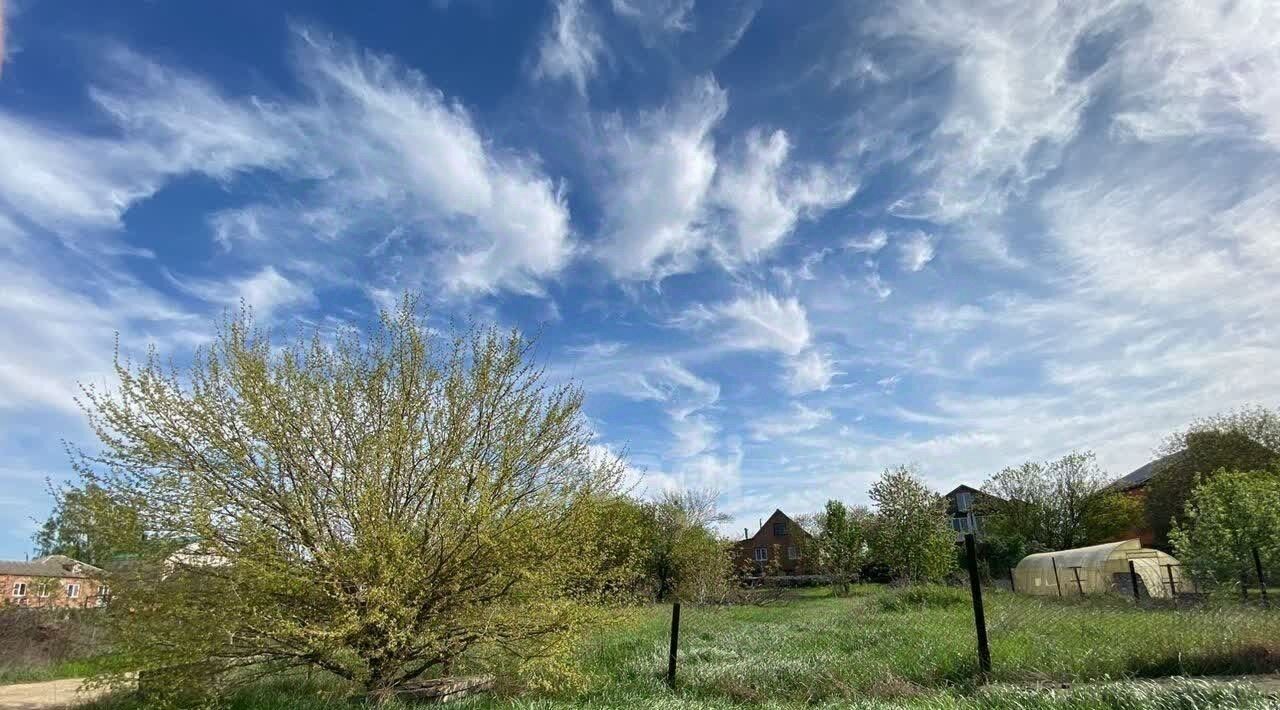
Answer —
373 149
916 250
877 285
653 16
870 243
61 331
765 195
810 371
571 47
265 291
659 168
798 420
762 321
1014 103
1203 67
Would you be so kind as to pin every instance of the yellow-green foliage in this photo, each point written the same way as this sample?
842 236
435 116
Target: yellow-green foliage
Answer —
376 507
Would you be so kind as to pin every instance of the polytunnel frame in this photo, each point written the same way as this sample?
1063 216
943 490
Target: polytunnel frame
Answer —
1091 570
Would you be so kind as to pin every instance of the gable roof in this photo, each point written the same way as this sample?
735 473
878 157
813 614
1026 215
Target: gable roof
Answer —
1141 475
971 489
49 566
773 518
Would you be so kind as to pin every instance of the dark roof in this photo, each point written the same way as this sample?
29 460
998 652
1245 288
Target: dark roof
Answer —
49 566
1141 475
971 489
777 513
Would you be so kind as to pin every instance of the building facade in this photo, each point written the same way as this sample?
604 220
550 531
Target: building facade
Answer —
54 581
966 507
779 547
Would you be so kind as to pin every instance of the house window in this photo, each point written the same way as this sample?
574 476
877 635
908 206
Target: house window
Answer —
44 589
779 529
960 525
762 554
964 501
73 591
103 594
792 553
20 589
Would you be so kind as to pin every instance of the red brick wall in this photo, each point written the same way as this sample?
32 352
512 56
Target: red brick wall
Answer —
778 547
57 588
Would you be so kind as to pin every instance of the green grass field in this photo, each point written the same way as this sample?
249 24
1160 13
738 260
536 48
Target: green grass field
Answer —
891 648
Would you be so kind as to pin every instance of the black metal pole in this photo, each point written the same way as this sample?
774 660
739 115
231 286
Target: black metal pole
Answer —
1262 580
1173 588
1056 581
1013 587
979 617
1079 584
675 643
1133 578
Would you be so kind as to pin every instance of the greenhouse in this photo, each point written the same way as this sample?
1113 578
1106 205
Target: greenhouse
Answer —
1099 569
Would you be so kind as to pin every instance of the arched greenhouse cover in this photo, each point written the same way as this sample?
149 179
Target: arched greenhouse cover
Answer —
1098 569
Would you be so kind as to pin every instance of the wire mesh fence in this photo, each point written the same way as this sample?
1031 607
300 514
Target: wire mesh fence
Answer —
1136 611
1137 616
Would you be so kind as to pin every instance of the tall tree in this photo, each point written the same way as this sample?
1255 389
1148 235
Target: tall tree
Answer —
841 542
89 526
372 506
1047 504
1241 440
911 534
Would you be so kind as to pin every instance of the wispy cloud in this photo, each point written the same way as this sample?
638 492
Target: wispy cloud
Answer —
571 47
660 166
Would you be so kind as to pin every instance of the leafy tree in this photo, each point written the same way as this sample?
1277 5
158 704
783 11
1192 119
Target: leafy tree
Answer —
1242 440
88 525
911 534
1048 505
841 543
688 561
1112 516
1228 514
376 507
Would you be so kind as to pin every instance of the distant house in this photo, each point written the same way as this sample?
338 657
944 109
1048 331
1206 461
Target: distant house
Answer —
966 507
778 547
51 581
1135 483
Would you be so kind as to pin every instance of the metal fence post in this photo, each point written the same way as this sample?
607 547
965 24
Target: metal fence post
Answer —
979 617
1262 580
1013 587
1133 579
675 642
1056 581
1173 588
1079 583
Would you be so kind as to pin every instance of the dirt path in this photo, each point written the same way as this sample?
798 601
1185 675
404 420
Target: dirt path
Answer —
43 696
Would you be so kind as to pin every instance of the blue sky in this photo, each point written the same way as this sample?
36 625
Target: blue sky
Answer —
781 245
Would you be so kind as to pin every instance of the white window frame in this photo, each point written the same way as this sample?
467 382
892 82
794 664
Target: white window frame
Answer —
20 589
964 501
45 589
73 590
762 554
792 552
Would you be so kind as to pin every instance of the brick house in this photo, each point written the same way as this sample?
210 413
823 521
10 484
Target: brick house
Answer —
779 546
51 581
